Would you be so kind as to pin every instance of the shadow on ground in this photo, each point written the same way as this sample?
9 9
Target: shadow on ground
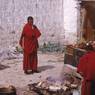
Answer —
2 67
44 68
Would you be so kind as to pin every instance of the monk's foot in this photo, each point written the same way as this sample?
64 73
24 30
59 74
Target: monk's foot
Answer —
27 72
36 71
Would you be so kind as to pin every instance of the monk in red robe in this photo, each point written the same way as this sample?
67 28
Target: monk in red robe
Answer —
29 43
86 68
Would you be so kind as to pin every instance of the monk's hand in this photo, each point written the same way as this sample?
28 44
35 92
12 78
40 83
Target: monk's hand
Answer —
22 45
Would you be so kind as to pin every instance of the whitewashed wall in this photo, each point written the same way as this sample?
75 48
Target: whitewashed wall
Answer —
56 19
48 16
71 21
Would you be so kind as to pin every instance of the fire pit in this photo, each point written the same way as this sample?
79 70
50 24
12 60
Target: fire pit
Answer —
53 86
10 90
49 91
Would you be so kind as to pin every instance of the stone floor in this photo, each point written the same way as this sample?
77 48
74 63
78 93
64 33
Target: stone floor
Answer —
50 65
11 71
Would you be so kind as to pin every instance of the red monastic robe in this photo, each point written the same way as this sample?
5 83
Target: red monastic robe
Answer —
87 67
29 42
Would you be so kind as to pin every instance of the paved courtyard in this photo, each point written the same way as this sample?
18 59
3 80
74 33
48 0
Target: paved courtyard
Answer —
50 64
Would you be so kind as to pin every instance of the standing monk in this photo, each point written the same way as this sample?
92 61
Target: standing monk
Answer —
29 43
86 68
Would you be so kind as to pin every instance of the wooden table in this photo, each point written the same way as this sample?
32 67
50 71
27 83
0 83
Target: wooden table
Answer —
73 55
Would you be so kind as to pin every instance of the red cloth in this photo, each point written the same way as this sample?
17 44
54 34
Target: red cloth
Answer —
87 67
29 42
30 61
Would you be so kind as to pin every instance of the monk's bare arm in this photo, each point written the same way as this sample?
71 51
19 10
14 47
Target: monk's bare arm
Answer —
21 39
